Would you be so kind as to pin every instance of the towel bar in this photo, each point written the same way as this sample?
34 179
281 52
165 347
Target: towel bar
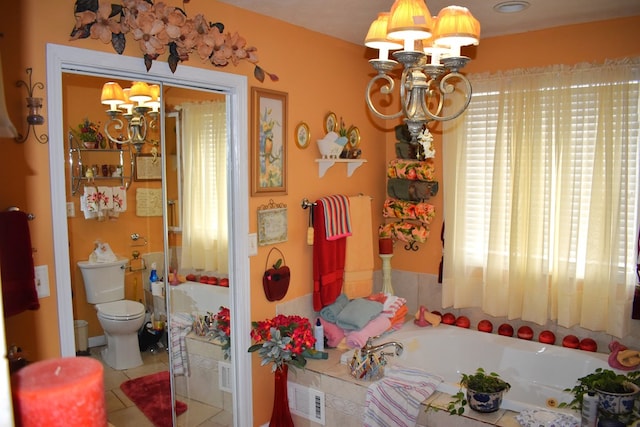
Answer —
30 216
307 204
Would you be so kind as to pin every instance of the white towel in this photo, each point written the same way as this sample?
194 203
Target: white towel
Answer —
105 199
119 199
180 324
91 198
394 401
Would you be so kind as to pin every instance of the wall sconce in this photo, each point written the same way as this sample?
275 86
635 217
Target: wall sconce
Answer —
34 118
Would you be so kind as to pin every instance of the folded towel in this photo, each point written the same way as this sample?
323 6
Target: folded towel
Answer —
181 324
16 261
394 208
392 304
358 264
358 313
411 169
404 231
337 218
119 199
332 332
414 191
330 312
399 318
395 399
375 327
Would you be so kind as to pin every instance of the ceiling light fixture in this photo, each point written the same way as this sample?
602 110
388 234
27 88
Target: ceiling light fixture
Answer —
430 57
141 105
511 6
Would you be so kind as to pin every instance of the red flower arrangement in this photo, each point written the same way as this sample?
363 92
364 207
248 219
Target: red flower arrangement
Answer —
282 340
221 330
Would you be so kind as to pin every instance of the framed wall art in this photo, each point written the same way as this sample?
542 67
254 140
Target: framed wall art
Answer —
272 223
268 142
148 167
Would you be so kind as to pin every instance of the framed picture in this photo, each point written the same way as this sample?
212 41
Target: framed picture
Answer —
268 142
147 167
272 223
303 135
330 122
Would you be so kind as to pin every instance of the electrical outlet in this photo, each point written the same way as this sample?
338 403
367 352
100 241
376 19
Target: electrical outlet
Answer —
253 244
71 210
42 281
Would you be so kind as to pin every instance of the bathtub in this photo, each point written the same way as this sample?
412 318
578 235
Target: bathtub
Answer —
197 298
538 373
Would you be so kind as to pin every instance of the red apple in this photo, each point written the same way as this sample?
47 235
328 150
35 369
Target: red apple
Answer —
224 282
525 333
191 278
204 279
448 319
212 280
547 337
571 341
463 322
485 326
506 330
587 344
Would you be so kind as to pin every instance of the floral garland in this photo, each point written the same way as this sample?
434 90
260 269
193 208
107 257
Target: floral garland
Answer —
158 28
282 340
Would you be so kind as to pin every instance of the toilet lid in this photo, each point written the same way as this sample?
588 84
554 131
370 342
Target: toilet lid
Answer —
121 310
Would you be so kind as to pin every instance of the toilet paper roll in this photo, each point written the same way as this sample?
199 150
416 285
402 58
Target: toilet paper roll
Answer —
157 289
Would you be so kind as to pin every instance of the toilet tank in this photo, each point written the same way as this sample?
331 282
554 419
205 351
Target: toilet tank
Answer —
103 281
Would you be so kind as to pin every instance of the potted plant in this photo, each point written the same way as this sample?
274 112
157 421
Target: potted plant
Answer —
616 392
484 393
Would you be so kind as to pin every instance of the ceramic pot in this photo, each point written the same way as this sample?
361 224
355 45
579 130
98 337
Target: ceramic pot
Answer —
618 403
484 402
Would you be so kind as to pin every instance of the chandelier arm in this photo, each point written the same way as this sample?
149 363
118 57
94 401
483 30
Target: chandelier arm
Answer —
385 90
118 125
445 89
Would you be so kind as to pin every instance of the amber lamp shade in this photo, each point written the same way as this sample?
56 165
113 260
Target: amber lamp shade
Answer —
455 26
112 95
140 92
409 20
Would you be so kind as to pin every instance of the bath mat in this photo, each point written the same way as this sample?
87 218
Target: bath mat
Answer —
152 395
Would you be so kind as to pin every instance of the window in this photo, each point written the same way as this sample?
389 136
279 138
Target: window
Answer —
541 196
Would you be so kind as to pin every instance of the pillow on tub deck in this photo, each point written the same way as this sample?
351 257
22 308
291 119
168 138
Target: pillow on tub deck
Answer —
357 313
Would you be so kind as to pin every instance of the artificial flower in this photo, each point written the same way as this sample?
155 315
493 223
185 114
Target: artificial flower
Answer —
105 25
221 329
282 340
150 33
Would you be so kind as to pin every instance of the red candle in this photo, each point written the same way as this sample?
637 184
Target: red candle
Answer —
385 245
60 392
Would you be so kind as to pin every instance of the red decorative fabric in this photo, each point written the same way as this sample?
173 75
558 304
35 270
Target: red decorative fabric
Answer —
328 262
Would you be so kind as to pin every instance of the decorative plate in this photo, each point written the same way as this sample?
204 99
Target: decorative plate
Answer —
354 136
303 135
542 418
331 123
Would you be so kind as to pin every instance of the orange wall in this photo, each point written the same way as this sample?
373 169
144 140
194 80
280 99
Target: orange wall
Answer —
320 74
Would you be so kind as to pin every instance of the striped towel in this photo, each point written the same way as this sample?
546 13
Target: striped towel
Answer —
394 401
337 221
180 324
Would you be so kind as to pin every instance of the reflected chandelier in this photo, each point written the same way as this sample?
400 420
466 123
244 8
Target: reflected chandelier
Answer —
141 105
430 57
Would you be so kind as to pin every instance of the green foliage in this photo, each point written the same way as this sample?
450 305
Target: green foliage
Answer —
603 380
481 382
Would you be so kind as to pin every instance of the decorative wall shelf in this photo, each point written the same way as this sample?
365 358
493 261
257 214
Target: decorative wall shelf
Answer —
352 165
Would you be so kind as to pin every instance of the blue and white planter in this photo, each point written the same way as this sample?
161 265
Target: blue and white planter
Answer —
484 402
618 403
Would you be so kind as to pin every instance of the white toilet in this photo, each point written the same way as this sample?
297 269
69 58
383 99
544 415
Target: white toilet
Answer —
120 319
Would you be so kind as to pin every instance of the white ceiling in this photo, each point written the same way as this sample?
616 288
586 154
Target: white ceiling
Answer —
350 19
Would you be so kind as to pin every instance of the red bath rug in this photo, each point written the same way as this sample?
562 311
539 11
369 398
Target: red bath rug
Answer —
152 395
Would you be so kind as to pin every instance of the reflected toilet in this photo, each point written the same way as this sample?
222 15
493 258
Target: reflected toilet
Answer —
120 319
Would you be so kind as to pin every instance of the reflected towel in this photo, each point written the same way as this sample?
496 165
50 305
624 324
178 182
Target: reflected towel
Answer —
119 199
358 264
395 399
357 339
180 325
16 261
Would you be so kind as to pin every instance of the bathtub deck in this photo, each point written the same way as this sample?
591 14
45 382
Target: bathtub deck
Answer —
345 399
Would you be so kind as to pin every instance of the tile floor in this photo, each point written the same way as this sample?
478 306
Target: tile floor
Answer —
122 412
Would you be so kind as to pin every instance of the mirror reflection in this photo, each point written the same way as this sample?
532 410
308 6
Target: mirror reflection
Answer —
148 245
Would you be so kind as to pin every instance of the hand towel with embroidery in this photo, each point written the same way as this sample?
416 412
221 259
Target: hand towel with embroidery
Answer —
394 401
119 199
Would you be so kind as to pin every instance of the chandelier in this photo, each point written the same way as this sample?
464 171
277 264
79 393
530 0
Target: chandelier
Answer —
430 58
138 105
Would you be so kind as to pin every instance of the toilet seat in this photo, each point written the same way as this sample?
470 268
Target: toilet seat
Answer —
122 310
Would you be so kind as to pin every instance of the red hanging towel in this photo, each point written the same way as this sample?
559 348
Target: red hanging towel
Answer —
328 261
16 261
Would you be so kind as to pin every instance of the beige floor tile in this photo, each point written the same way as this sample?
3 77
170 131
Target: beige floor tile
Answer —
196 413
129 417
113 403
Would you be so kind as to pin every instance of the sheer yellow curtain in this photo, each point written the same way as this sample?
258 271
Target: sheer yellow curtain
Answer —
541 179
204 208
